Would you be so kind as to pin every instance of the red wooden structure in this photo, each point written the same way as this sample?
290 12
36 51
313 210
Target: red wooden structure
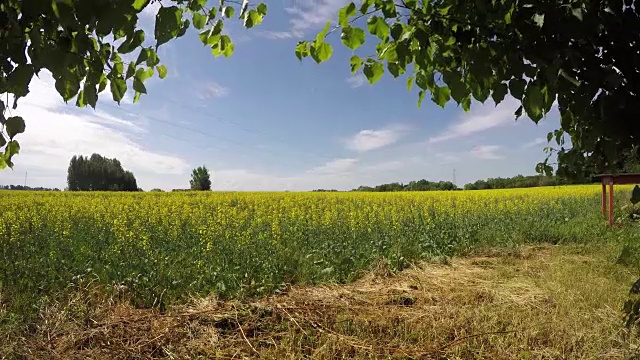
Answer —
612 179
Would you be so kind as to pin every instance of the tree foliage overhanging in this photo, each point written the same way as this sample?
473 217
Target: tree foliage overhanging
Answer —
91 45
97 173
581 54
584 54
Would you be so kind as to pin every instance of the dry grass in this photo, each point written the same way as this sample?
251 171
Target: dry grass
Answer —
531 303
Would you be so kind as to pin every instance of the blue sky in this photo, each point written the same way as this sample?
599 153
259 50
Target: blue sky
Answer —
262 120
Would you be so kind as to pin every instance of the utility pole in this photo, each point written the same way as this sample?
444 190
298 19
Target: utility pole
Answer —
454 176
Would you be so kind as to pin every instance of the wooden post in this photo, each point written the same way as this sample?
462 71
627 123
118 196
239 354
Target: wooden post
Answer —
604 199
611 203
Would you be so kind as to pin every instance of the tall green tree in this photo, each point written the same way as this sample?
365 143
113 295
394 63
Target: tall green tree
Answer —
200 179
582 54
97 173
89 45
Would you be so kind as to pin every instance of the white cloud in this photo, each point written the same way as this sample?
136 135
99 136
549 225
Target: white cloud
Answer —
486 152
213 90
487 117
334 166
367 140
306 15
357 81
55 132
276 35
388 165
535 142
447 158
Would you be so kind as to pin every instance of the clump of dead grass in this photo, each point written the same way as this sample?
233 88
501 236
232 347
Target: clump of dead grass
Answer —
545 302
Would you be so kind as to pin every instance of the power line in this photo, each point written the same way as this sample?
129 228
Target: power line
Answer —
207 134
214 117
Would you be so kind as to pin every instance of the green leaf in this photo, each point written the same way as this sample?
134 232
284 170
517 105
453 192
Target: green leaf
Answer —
102 84
131 70
18 80
118 89
168 24
549 136
356 63
162 71
499 92
197 5
143 56
152 58
516 88
466 103
577 12
345 13
395 69
321 51
229 11
389 9
508 15
226 46
67 86
3 141
139 86
139 5
454 82
143 75
352 38
364 7
90 95
420 97
378 27
302 50
441 95
252 18
373 70
14 126
533 102
262 9
396 31
199 20
13 148
323 33
538 19
131 43
424 80
518 112
409 83
3 162
136 97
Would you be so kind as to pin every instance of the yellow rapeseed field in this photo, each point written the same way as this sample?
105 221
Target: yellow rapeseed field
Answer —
164 246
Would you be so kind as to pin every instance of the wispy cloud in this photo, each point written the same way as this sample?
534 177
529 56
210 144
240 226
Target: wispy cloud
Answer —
277 35
447 158
487 152
306 15
213 90
535 142
356 81
55 132
335 166
485 118
367 140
